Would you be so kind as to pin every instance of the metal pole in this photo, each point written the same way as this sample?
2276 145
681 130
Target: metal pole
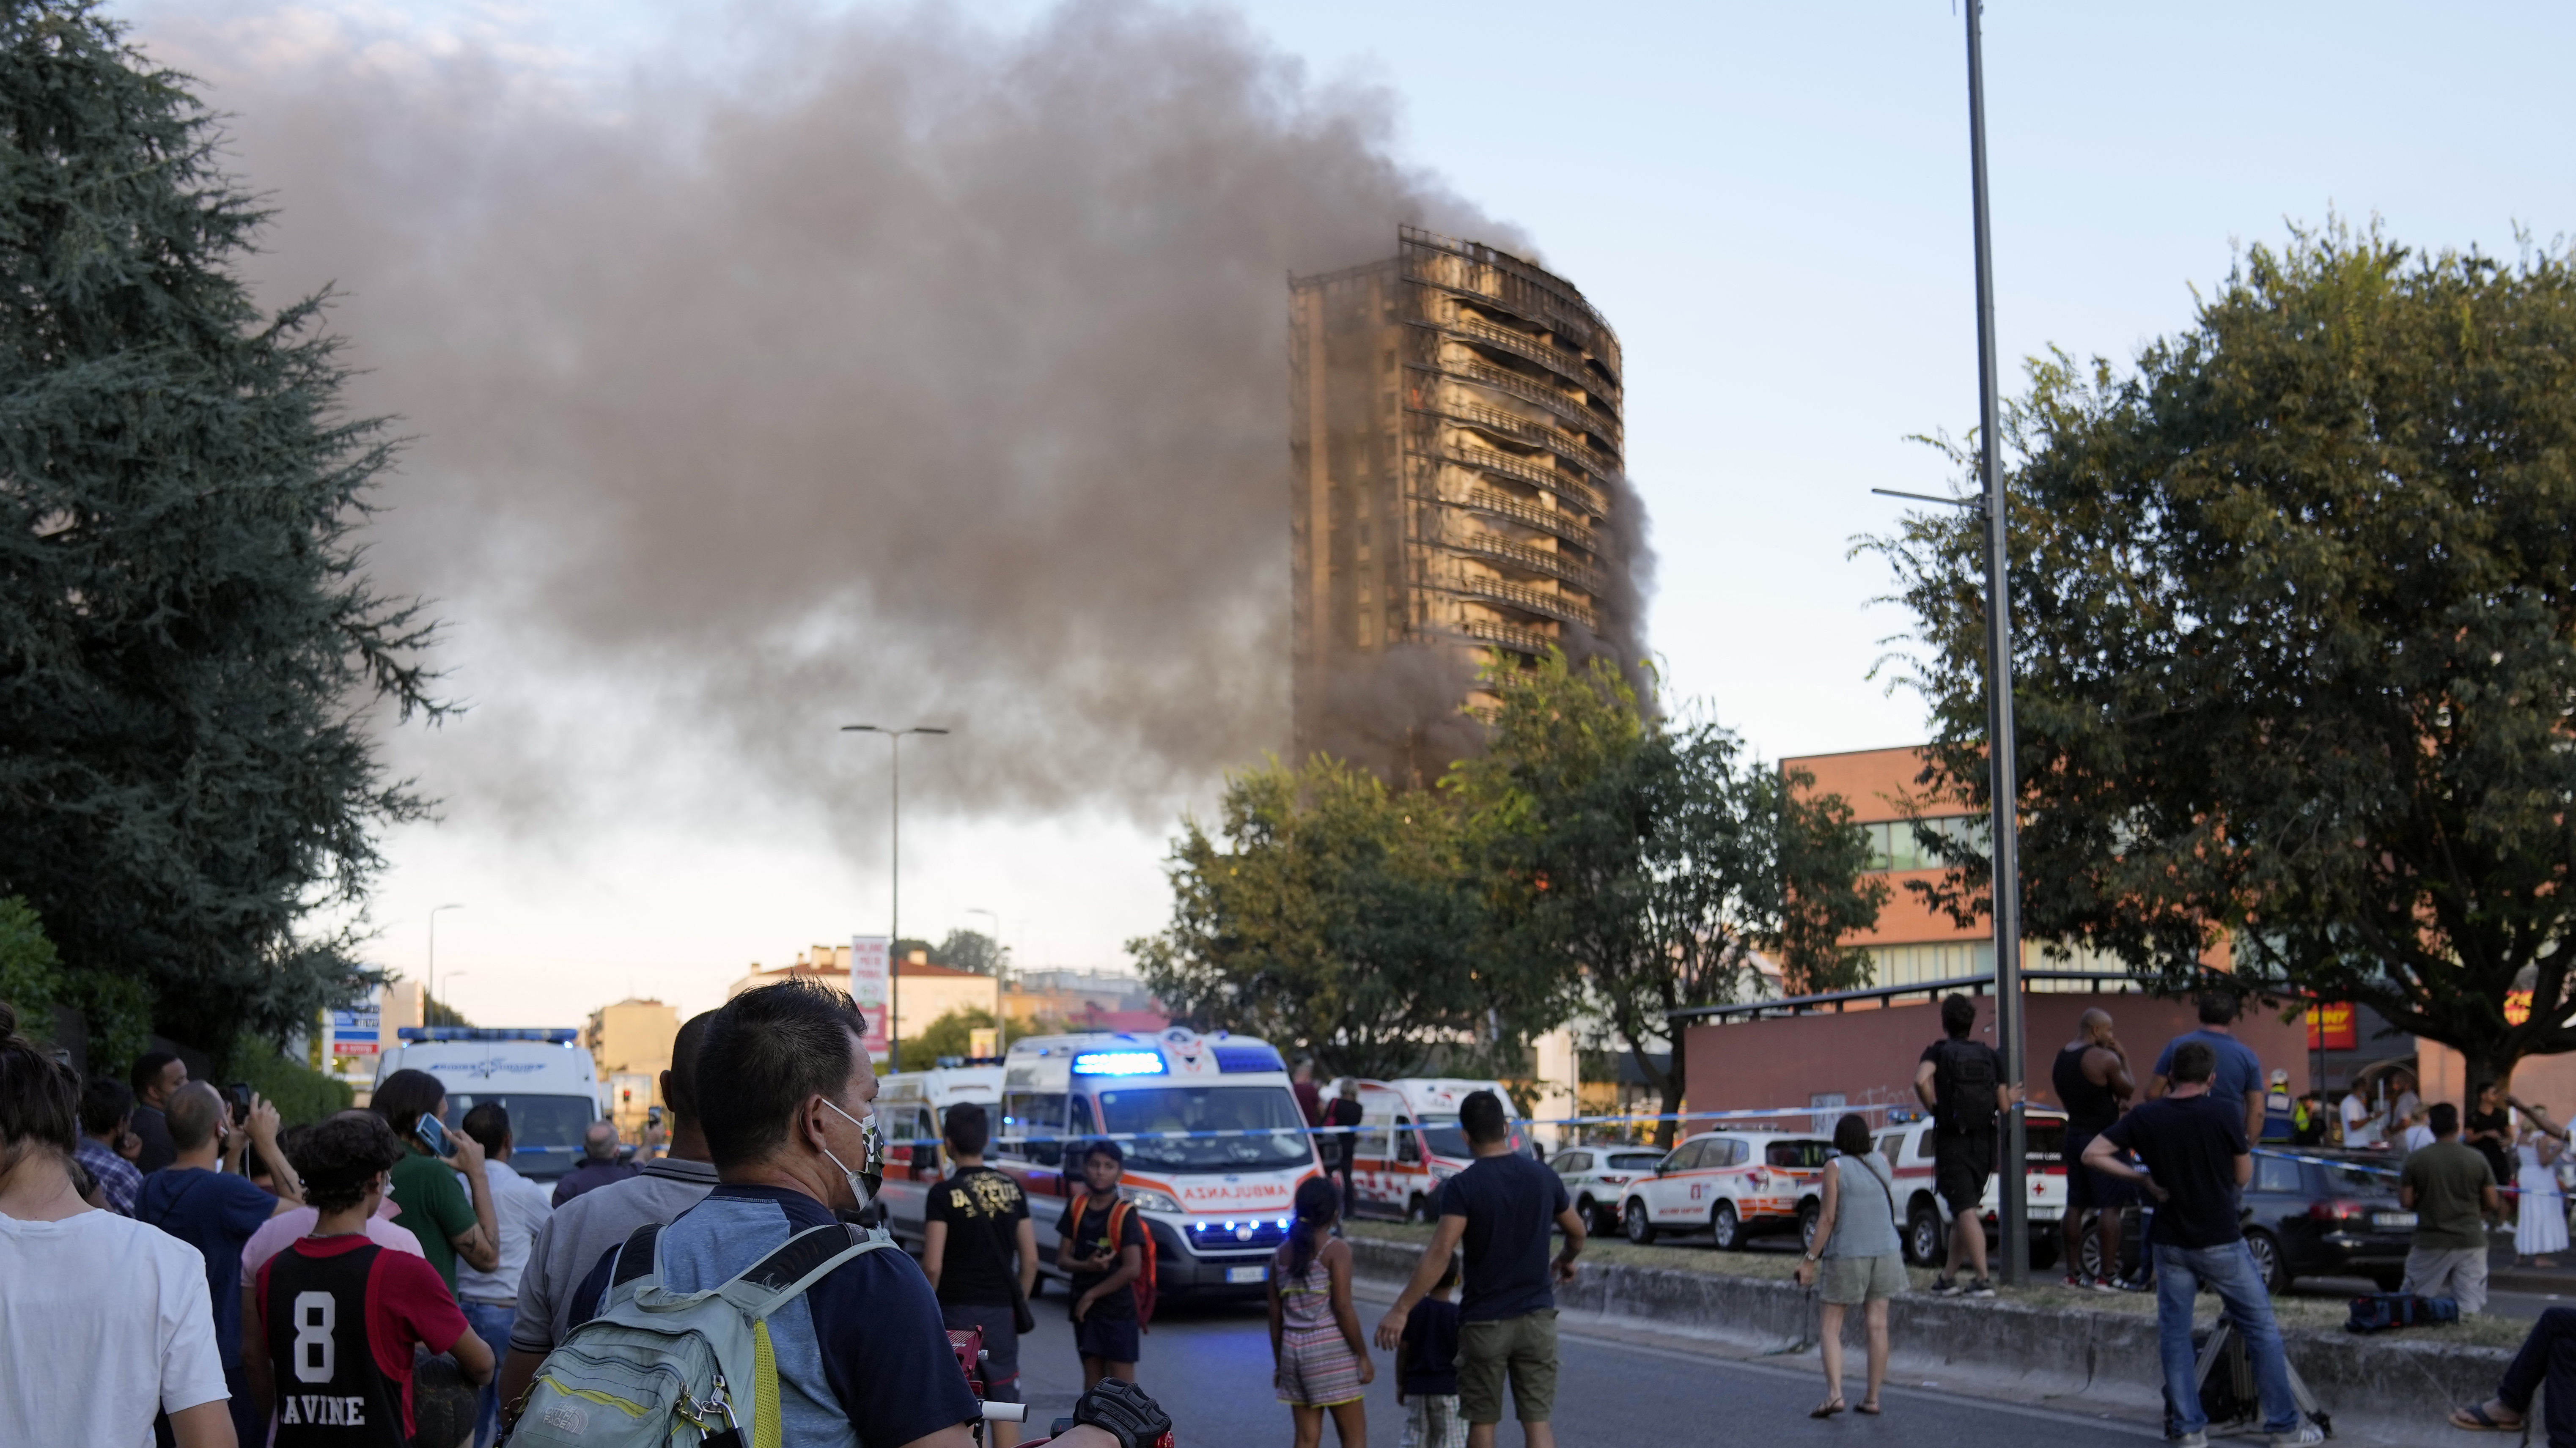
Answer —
2012 1184
894 924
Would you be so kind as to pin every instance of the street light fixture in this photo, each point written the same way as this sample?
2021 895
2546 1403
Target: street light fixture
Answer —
429 986
894 910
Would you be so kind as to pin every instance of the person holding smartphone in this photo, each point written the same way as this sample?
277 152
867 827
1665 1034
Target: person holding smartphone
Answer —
431 1204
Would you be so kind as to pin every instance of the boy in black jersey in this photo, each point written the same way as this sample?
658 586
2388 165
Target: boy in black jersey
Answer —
328 1349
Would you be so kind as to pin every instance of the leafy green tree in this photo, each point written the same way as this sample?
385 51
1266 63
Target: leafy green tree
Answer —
951 1035
2295 613
190 653
972 950
1336 915
1651 862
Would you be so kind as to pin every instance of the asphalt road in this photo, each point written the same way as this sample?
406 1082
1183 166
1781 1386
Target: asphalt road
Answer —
1211 1367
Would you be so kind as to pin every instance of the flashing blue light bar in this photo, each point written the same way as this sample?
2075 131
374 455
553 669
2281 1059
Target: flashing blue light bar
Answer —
550 1035
1248 1058
1118 1063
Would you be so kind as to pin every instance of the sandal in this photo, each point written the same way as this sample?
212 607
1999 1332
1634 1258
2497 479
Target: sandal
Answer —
1828 1407
2476 1418
1871 1409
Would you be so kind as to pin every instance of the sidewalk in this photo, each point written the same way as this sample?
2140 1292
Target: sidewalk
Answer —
2504 1276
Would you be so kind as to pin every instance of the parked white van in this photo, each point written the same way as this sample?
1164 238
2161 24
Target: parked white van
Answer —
542 1076
1409 1140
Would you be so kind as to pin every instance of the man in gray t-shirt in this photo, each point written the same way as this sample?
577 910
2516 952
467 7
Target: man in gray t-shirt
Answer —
585 1227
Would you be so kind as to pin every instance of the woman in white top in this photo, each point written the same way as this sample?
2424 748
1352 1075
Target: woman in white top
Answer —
106 1320
2540 1222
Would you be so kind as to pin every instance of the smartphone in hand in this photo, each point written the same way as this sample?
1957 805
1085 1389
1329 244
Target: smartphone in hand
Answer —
434 1135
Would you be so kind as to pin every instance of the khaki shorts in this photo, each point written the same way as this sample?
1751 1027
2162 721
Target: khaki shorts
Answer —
1525 1346
1850 1281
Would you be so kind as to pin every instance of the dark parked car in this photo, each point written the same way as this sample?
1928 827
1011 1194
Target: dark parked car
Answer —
2308 1219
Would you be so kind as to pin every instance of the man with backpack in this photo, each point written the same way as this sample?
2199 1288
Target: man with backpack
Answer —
977 1220
2200 1158
759 1310
1107 1249
1962 1082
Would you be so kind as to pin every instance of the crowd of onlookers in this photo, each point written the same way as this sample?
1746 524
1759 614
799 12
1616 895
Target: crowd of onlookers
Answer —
179 1268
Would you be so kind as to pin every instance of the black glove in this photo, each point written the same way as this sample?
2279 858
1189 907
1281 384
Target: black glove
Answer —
1123 1410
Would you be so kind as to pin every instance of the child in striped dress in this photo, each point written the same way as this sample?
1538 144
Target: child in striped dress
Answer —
1321 1359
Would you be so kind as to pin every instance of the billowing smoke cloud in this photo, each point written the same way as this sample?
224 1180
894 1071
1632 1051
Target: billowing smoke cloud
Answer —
905 370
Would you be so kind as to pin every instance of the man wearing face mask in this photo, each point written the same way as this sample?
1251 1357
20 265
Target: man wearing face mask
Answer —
785 1097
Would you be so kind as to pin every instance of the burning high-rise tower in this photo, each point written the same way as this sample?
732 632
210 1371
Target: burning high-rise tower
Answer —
1459 494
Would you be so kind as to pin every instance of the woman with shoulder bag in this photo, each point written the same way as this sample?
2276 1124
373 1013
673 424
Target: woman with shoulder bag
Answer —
1861 1257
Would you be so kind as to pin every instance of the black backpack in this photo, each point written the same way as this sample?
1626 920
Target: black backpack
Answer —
1964 1081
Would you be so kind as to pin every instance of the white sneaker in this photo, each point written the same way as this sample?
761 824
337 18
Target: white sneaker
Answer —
2304 1433
2190 1440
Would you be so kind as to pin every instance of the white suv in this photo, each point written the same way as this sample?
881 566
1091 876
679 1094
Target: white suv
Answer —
1597 1177
1732 1185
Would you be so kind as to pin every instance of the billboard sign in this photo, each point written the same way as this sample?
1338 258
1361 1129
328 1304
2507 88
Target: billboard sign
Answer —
868 986
2330 1027
356 1032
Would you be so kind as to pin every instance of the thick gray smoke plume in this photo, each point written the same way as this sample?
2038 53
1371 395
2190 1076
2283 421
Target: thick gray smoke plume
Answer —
904 371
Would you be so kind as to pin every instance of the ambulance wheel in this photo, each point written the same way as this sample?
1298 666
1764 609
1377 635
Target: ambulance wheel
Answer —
1724 1228
1418 1210
1810 1212
1640 1231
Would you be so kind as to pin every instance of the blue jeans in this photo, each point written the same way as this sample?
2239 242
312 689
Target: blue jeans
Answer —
2229 1270
492 1324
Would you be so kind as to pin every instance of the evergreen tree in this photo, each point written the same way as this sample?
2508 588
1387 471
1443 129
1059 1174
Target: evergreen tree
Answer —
189 648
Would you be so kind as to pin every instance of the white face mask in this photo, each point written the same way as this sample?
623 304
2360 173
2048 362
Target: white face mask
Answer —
864 1182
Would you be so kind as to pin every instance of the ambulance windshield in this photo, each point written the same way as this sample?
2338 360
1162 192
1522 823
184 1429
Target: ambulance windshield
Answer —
1263 1130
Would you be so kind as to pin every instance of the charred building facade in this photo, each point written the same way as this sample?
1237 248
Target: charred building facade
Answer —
1459 495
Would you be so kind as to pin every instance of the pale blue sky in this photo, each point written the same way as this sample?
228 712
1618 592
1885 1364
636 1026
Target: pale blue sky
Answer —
1771 204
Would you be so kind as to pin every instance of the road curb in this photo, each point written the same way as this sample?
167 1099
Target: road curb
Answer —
2063 1349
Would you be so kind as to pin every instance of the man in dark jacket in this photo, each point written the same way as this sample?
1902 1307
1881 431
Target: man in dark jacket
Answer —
598 1166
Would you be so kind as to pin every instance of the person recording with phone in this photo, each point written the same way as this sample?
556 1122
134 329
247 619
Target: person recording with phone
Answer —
430 1203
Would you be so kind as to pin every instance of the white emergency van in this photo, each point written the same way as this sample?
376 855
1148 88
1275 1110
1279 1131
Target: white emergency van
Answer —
1214 1140
1409 1140
910 1108
541 1075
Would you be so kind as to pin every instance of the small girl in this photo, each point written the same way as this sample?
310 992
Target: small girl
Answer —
1321 1360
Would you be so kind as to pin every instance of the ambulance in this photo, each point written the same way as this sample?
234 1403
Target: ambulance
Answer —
1409 1141
910 1109
541 1075
1214 1140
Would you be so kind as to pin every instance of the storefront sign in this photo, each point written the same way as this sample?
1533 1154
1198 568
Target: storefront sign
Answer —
868 986
2330 1027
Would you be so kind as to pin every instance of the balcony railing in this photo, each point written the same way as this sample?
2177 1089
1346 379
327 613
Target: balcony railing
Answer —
1546 354
1522 429
1520 640
1575 490
1537 560
1486 500
1576 415
1554 605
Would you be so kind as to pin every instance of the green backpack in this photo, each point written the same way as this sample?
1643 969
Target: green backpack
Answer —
663 1369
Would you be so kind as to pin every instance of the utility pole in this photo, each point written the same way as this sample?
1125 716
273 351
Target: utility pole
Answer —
2012 1186
894 908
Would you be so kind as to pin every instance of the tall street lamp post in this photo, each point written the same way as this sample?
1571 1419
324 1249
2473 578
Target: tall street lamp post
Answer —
2006 793
894 908
429 986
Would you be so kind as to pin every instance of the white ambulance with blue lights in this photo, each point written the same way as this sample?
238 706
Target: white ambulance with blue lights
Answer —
541 1075
1214 1140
